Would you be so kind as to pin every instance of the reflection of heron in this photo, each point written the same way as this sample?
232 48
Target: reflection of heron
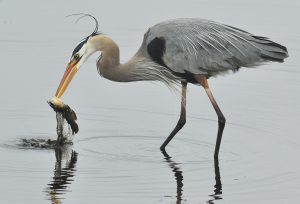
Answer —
178 176
179 179
64 172
178 51
218 186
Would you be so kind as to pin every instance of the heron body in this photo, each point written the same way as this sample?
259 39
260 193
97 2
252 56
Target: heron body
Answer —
179 51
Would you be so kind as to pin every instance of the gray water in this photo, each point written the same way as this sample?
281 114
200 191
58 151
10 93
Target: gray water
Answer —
115 157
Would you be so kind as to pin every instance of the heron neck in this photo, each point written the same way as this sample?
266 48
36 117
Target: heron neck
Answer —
138 68
109 65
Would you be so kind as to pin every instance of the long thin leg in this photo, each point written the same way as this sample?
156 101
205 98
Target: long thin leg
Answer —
181 120
221 119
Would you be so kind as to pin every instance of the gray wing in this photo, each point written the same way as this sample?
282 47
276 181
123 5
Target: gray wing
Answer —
201 46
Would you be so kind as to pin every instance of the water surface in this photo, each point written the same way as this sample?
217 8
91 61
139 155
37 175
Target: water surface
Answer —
115 157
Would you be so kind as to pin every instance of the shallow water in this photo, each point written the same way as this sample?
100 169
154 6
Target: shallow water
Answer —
115 157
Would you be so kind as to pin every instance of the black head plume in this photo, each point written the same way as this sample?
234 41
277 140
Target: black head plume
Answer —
83 15
79 46
95 32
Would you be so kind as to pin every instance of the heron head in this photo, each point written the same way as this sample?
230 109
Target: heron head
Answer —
79 55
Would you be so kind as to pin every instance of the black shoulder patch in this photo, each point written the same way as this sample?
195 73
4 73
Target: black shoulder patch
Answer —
156 49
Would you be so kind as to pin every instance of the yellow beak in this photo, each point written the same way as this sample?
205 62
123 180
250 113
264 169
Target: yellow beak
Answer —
67 78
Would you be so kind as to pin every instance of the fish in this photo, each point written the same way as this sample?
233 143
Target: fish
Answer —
63 113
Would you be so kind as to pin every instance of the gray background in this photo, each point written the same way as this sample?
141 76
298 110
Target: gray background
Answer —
123 125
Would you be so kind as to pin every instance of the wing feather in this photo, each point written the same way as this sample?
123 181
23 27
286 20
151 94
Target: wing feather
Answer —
201 46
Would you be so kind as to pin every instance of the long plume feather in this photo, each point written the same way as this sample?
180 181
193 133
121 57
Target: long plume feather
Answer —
83 15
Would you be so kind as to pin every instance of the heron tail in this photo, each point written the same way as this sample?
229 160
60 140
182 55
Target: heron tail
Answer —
270 51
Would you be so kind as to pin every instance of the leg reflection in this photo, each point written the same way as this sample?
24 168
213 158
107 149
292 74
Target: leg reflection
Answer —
64 172
177 174
218 186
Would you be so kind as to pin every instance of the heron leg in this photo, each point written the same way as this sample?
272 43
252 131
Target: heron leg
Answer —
182 118
221 119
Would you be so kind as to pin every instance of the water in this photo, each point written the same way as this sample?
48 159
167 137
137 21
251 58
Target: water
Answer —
115 157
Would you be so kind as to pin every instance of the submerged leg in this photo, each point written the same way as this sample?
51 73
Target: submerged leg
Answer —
181 120
221 119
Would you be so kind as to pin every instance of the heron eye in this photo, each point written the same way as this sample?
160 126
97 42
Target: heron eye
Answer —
76 56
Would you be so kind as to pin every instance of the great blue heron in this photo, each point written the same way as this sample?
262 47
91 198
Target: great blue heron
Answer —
185 50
